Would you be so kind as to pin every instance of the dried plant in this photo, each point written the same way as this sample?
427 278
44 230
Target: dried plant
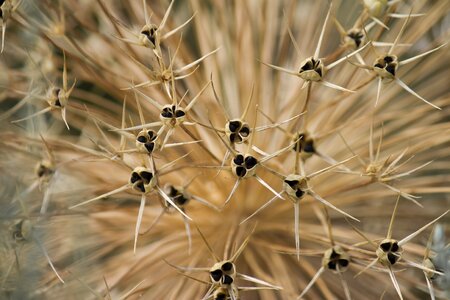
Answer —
176 157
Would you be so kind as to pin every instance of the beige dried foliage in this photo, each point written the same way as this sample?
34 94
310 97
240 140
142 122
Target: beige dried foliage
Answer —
146 149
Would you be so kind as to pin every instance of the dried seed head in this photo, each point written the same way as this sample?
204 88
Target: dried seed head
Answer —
143 180
5 9
223 273
428 263
178 195
376 7
373 169
354 38
149 36
44 169
244 166
311 69
389 252
386 66
21 231
237 131
336 259
304 144
295 186
146 141
172 115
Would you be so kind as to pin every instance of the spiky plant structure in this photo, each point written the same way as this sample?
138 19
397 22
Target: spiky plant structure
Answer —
151 149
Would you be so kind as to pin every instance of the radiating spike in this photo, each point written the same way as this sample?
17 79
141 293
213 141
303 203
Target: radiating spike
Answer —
323 201
409 90
260 209
311 283
334 86
232 192
116 191
138 222
418 231
322 33
395 282
167 198
297 228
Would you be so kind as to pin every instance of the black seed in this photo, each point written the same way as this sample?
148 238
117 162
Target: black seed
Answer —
313 61
334 255
356 37
292 183
298 146
150 147
134 177
309 146
227 266
240 171
151 135
179 113
299 193
332 265
167 113
306 67
57 103
173 192
141 139
216 274
245 131
220 296
238 159
394 247
391 69
234 125
319 71
250 162
145 32
227 279
146 176
378 66
388 59
140 186
385 246
181 200
392 258
343 262
233 137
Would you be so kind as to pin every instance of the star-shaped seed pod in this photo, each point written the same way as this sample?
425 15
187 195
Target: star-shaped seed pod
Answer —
237 130
376 9
386 65
144 181
150 35
162 74
45 174
223 274
312 69
305 142
56 97
296 186
180 198
7 7
147 141
244 165
334 259
22 232
384 170
389 251
171 115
